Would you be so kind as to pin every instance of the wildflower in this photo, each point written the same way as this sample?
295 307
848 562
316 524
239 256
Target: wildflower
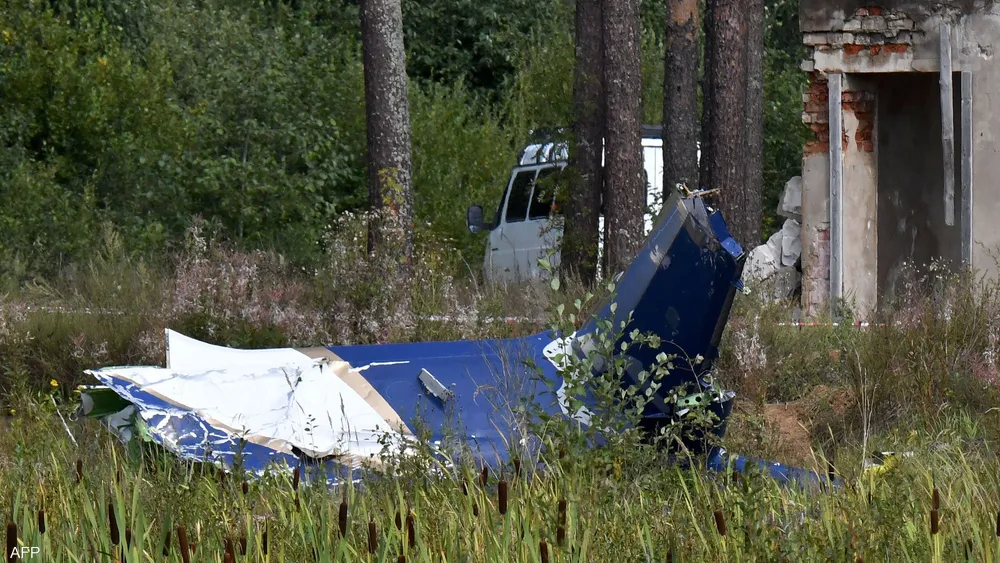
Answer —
53 383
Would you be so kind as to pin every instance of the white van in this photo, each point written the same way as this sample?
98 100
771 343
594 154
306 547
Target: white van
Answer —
527 224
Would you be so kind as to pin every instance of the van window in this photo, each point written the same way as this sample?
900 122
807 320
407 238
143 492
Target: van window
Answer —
543 196
520 196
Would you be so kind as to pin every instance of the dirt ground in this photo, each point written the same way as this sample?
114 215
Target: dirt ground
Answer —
790 424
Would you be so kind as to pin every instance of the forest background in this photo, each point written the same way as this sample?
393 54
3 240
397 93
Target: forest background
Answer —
247 120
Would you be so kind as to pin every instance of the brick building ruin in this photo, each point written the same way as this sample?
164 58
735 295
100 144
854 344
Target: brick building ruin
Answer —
903 102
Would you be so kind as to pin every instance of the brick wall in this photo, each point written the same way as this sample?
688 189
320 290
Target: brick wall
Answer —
871 30
816 116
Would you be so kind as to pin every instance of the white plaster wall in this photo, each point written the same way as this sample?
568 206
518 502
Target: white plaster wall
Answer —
815 220
860 177
984 30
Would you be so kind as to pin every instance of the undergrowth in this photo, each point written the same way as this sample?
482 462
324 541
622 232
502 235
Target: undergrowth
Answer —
920 378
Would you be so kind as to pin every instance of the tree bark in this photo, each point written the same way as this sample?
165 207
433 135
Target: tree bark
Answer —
580 234
726 127
753 189
704 174
680 96
625 191
390 179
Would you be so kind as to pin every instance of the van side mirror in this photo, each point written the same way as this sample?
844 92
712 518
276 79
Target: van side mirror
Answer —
474 219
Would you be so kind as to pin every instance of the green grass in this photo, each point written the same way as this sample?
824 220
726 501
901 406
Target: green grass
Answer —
617 508
924 383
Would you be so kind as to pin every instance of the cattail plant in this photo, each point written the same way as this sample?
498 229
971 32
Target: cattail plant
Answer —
411 533
934 521
227 558
342 516
295 480
517 468
243 545
263 539
372 537
399 522
401 559
229 547
113 523
10 554
502 497
936 499
562 512
560 536
484 477
543 550
720 523
182 544
41 521
246 487
166 544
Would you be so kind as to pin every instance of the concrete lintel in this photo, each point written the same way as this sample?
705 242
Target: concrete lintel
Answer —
967 141
947 125
835 87
835 60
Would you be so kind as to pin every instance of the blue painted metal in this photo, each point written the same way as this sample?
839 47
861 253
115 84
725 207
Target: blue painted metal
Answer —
680 286
488 378
721 461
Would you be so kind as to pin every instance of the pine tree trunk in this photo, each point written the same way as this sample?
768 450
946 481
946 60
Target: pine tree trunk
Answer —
580 234
625 189
390 180
726 127
754 185
704 173
680 96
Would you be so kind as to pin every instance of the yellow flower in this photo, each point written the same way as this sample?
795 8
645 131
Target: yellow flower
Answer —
102 61
53 383
12 412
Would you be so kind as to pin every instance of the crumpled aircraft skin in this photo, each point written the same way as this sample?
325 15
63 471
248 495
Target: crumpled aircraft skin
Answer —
343 405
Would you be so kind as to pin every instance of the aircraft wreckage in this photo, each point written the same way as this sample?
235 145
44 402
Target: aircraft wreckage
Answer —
255 408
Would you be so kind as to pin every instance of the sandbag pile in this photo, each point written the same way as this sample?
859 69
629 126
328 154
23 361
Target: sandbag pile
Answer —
774 266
